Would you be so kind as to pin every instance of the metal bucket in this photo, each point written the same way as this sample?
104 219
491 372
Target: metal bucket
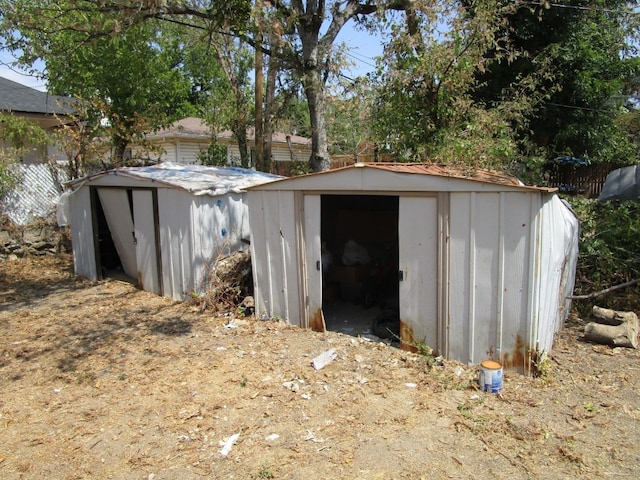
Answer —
490 379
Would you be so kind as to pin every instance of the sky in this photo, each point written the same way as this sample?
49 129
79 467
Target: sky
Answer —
363 48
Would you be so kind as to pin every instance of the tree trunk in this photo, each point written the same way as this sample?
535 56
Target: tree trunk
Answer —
313 85
240 131
272 72
260 163
314 89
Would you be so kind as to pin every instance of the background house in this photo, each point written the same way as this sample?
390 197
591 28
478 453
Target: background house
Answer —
474 265
185 139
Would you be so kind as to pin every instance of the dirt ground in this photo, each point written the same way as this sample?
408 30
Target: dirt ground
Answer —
101 380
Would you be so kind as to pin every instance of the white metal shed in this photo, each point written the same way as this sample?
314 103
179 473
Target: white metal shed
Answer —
483 264
163 225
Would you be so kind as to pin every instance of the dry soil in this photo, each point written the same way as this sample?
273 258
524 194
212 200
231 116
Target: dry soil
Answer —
102 380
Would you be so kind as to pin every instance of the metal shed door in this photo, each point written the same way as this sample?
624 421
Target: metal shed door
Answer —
144 225
115 204
313 262
418 260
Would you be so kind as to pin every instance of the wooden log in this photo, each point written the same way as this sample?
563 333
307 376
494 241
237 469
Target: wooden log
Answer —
612 317
622 335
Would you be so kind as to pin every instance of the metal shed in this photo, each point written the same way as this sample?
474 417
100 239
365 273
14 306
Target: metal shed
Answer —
481 264
162 225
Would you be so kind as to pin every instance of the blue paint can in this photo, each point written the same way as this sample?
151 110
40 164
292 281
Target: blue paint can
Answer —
490 379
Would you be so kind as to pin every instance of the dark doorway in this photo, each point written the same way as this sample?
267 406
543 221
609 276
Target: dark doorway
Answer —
359 235
108 261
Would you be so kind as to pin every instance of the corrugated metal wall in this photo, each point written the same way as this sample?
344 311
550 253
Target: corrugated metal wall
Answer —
503 262
490 276
274 241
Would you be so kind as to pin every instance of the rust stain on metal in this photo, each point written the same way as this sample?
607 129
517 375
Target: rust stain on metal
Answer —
316 322
519 358
140 284
407 340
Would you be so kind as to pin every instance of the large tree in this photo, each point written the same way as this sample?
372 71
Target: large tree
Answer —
579 52
302 34
423 108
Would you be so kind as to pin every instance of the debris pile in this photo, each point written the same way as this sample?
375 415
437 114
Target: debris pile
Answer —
228 285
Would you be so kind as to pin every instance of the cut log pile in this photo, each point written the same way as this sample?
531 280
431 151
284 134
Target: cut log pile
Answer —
611 327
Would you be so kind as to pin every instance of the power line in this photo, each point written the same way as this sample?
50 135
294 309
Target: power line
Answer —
581 7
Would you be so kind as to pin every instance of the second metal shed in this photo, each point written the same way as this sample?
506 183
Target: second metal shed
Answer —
478 264
162 225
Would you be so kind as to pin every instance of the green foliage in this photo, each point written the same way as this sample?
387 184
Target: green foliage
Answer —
18 137
572 61
608 254
423 109
215 154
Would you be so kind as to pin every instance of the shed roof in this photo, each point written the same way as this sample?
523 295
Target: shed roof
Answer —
15 97
196 179
485 177
196 128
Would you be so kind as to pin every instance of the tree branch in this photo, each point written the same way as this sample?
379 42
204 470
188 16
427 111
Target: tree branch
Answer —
605 291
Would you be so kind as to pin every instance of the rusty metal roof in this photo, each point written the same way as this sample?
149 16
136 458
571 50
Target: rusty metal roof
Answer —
468 173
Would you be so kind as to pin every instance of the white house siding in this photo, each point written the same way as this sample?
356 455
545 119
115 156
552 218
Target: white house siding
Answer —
187 152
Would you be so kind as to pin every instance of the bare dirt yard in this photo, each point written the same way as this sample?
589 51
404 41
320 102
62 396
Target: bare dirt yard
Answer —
101 380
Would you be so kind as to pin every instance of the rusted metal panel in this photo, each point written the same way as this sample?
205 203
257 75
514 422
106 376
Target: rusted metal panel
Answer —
489 253
418 249
316 322
313 257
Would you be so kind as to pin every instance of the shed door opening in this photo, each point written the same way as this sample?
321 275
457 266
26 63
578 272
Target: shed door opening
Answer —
126 222
359 236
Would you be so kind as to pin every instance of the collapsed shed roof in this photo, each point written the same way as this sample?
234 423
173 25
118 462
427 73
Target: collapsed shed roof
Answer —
196 179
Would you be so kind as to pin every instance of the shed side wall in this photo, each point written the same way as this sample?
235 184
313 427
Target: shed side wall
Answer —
489 275
218 224
558 258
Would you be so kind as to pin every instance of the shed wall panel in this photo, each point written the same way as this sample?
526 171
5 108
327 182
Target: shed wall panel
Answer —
419 237
261 284
559 245
82 238
489 275
274 247
487 233
211 238
518 246
174 212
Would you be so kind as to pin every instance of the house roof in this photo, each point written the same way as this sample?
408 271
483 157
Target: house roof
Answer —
15 97
483 177
196 179
196 128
